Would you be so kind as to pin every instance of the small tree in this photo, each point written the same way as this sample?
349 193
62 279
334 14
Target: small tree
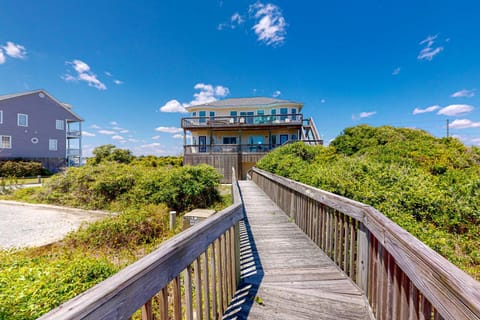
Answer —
109 152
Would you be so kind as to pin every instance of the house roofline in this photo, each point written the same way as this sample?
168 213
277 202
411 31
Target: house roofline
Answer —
20 94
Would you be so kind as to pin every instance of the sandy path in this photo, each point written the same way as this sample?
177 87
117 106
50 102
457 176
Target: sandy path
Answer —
26 225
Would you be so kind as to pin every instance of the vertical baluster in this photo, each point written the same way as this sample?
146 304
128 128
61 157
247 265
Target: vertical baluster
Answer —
404 296
363 257
206 285
351 271
228 256
224 272
163 303
213 280
147 310
425 309
413 302
177 299
219 274
346 230
397 284
198 288
187 285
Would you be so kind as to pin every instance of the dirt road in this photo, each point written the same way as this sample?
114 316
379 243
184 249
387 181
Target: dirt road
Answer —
26 225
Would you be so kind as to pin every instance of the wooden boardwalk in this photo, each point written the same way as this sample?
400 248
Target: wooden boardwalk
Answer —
284 274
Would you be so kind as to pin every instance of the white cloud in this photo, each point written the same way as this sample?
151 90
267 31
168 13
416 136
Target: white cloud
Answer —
428 52
367 114
463 124
363 115
88 134
276 93
15 50
270 24
207 93
173 106
83 74
235 20
429 109
323 101
169 129
178 136
118 82
396 71
114 123
2 57
463 93
117 137
94 126
156 137
455 110
150 145
107 132
124 131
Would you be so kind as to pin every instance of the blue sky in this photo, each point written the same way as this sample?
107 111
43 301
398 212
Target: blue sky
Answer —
123 64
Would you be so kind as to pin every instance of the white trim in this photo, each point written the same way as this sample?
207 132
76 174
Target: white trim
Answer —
1 142
1 116
60 124
53 144
18 119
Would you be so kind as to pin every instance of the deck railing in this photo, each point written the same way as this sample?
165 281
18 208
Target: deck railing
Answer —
242 121
228 148
193 275
401 277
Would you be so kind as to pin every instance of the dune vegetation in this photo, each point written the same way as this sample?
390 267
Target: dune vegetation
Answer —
141 192
427 185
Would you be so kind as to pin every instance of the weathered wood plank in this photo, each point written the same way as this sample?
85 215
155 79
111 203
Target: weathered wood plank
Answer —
299 281
454 294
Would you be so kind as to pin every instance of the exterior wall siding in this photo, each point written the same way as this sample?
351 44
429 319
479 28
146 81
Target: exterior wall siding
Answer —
32 141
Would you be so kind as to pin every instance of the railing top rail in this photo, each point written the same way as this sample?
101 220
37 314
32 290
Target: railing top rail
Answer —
453 292
119 296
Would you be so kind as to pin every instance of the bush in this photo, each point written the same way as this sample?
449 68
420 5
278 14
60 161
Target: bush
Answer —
21 169
429 186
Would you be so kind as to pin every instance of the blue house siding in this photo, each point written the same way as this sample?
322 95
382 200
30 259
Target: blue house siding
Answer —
32 141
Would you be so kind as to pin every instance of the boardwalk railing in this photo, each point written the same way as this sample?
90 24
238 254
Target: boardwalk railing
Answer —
193 275
402 277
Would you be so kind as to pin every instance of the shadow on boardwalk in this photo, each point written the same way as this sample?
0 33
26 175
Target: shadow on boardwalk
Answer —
251 275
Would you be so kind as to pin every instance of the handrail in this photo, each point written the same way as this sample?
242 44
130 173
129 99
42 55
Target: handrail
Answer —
242 120
204 258
401 276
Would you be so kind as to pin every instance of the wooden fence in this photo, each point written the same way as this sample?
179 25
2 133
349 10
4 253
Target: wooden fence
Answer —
401 277
193 275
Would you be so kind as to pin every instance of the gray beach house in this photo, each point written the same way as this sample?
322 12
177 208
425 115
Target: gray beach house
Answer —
36 126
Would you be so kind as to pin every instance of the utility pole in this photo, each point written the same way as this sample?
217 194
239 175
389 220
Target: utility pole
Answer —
448 128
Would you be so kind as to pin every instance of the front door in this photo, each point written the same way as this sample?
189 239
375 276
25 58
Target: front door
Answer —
202 143
283 138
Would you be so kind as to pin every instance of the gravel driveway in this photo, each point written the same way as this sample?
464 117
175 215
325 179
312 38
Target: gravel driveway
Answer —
27 225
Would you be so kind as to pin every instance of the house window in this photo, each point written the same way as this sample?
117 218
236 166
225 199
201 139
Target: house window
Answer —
229 140
202 115
194 114
1 116
212 114
294 114
52 144
22 120
60 124
6 142
283 113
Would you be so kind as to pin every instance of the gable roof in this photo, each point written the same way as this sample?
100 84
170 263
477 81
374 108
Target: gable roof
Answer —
65 106
246 102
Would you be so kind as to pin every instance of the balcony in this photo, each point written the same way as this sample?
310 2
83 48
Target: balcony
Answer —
228 148
250 121
74 134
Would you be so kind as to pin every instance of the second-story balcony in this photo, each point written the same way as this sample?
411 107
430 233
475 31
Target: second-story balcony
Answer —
242 121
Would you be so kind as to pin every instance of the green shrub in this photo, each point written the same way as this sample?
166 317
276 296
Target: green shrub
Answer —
22 169
429 186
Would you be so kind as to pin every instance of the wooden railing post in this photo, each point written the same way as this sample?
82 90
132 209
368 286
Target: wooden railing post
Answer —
363 257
